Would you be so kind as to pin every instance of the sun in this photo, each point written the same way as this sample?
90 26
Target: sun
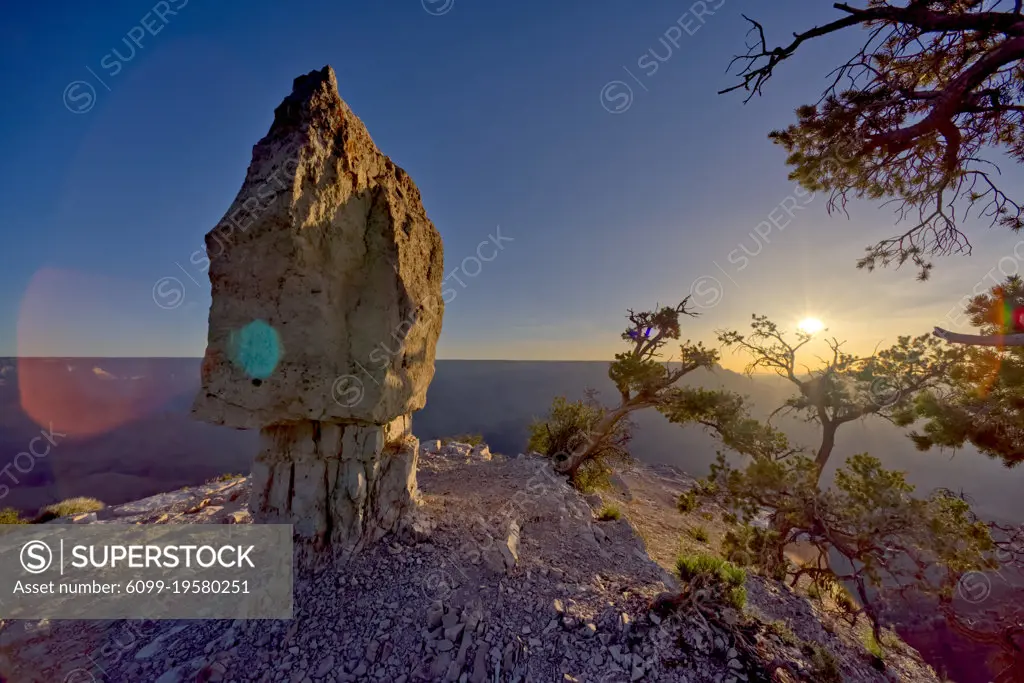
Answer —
811 325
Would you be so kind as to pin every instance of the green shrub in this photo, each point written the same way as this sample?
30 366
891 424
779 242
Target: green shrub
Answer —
726 579
471 439
735 546
569 427
730 518
737 596
690 566
826 585
71 506
687 502
699 533
593 476
847 604
707 515
734 576
11 516
873 646
940 527
706 488
608 513
823 663
564 429
783 632
750 546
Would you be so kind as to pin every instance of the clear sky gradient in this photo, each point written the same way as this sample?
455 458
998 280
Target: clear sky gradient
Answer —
116 164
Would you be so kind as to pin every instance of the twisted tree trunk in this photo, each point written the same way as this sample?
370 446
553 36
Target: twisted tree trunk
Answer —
979 339
828 442
573 461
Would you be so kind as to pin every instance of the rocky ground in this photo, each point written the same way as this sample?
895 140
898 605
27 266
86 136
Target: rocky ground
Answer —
507 576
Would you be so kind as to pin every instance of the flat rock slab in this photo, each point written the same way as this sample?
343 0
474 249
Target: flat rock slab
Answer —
169 500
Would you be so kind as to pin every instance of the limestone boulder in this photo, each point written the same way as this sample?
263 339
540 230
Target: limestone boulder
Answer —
326 278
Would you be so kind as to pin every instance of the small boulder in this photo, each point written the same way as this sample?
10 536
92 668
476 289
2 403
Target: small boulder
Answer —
620 485
510 548
237 517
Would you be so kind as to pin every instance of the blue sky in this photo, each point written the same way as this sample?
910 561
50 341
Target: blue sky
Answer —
495 109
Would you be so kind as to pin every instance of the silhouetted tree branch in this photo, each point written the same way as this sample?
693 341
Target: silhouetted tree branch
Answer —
910 117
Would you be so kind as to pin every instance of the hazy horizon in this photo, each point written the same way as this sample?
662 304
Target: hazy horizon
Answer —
111 416
722 366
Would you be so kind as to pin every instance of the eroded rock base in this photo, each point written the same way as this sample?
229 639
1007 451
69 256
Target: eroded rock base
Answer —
342 485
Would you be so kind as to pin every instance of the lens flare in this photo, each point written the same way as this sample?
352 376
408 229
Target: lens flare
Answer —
1014 318
256 348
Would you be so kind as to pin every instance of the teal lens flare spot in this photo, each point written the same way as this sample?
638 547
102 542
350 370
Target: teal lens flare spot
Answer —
256 348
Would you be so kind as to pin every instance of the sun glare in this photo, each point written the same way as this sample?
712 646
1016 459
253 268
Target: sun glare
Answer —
811 325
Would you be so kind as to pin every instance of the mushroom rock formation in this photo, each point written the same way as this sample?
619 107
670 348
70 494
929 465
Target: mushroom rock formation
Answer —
326 281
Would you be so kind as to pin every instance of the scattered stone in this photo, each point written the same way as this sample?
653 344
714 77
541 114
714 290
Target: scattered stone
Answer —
510 549
624 621
236 517
198 506
423 614
83 518
325 667
494 560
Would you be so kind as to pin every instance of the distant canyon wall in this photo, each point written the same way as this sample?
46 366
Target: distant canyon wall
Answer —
162 449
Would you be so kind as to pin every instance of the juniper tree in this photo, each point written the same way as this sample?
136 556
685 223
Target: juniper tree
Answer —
642 376
893 542
914 118
845 387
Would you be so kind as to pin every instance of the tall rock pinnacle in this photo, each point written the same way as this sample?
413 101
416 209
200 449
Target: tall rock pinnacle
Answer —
326 280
